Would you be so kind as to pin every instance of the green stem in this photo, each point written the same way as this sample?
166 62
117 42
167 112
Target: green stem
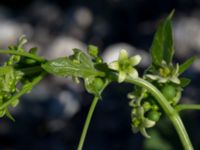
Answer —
168 109
87 122
187 107
25 89
30 70
29 55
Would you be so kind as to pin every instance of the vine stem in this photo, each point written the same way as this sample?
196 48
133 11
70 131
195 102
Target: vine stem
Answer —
168 109
29 55
87 123
182 107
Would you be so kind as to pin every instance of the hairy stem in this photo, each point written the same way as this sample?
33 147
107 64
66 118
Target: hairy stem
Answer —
187 107
87 122
25 54
168 109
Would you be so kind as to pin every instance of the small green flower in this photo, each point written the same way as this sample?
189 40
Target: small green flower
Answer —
125 65
166 73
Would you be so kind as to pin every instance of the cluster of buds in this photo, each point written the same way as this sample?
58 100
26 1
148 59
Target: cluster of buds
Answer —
9 78
145 112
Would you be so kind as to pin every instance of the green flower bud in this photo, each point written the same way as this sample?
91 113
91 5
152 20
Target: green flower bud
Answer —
93 50
94 85
98 83
154 115
9 62
146 106
98 60
16 58
169 91
155 107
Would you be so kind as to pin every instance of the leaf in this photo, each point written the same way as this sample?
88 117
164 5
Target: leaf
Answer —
186 65
184 82
10 116
162 47
77 65
83 58
161 143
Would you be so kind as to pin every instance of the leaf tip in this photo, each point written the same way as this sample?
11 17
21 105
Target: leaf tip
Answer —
171 14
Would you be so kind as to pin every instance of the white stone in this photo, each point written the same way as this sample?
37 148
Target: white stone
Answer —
62 46
83 17
69 102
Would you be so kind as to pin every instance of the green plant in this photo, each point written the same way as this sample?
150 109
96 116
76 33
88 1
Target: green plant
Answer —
23 70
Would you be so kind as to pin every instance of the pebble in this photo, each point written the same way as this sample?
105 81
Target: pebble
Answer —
63 45
70 103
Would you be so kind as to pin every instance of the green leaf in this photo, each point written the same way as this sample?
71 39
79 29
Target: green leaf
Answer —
186 65
10 116
81 57
161 143
184 82
77 65
162 47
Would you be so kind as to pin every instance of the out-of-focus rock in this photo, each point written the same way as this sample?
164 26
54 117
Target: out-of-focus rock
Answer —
62 46
70 103
56 125
196 65
9 32
40 92
83 17
187 36
44 13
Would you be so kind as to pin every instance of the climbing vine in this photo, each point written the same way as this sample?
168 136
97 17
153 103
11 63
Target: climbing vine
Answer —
155 93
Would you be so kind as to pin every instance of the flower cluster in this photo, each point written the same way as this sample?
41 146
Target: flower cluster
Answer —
166 78
12 78
145 112
9 78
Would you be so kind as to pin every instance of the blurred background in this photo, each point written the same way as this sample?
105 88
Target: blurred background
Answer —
51 117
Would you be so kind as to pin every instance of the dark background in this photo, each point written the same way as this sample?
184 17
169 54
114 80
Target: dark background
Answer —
51 117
